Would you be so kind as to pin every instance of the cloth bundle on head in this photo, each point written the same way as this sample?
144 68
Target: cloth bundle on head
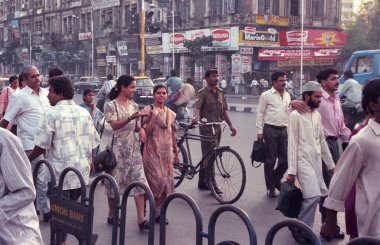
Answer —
187 92
311 86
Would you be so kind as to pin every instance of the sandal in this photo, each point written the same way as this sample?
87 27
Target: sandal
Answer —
158 220
144 225
110 221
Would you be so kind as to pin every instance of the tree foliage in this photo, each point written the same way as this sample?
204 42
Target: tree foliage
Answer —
195 48
364 32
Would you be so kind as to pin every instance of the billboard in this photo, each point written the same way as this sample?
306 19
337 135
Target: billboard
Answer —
258 37
264 19
102 4
295 54
313 38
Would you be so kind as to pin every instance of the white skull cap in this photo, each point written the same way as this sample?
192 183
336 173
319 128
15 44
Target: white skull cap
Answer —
311 86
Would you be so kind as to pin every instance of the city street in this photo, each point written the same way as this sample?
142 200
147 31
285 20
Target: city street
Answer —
181 230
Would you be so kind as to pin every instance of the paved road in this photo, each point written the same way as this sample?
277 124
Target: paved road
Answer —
181 229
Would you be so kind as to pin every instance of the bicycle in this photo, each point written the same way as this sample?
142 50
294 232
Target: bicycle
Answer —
228 180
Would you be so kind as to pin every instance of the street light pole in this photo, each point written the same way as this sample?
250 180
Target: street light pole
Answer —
92 41
30 47
173 55
142 70
173 32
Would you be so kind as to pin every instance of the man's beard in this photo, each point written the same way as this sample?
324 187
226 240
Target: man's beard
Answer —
313 104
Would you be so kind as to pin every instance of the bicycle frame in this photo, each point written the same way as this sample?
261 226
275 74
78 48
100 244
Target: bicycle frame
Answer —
203 138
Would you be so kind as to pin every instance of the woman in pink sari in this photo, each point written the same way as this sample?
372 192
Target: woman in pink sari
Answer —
160 149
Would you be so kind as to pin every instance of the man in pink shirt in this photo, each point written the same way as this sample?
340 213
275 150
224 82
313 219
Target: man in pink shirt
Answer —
333 125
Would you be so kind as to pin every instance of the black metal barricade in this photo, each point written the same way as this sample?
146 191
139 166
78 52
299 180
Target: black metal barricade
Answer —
69 216
198 220
52 184
365 240
197 213
115 189
124 203
242 215
292 223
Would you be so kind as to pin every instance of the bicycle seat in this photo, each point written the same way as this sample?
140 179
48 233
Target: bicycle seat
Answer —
186 125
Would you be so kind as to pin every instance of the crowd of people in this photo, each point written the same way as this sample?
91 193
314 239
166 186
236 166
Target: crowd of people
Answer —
301 137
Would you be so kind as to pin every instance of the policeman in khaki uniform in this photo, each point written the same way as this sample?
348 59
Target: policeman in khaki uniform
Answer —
212 105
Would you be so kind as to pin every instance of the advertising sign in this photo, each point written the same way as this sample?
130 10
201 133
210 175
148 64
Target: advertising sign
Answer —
313 38
221 37
154 49
296 63
246 64
122 49
258 37
272 20
85 35
193 34
295 54
111 59
101 49
246 50
102 4
133 49
235 64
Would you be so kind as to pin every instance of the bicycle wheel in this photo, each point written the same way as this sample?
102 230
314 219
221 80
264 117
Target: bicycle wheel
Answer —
227 176
178 171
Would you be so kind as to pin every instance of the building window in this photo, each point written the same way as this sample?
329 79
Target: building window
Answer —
216 7
264 7
317 8
294 7
65 25
276 7
82 22
38 25
88 22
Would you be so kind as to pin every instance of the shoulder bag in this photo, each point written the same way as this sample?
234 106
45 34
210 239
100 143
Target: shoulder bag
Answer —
105 160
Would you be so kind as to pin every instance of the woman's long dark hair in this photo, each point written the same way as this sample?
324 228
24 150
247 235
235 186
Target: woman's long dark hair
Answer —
123 80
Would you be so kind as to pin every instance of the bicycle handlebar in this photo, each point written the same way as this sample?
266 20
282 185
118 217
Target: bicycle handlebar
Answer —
211 123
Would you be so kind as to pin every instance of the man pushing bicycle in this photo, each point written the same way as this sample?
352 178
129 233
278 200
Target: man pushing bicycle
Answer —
210 104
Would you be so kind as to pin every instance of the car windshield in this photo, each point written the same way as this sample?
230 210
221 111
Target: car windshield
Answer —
144 82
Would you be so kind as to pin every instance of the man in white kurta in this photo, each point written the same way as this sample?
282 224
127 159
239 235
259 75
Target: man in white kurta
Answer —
306 148
359 164
18 219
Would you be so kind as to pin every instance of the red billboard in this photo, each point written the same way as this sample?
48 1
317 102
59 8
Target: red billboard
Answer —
295 54
313 38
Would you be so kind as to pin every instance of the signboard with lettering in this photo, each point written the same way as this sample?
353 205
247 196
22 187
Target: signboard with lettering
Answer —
102 4
258 37
122 48
246 51
296 63
111 59
273 20
85 35
313 38
154 49
295 54
133 49
69 216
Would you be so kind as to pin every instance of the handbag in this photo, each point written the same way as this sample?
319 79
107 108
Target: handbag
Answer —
258 152
290 200
105 160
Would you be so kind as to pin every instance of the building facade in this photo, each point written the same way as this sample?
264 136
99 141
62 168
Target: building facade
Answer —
252 38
